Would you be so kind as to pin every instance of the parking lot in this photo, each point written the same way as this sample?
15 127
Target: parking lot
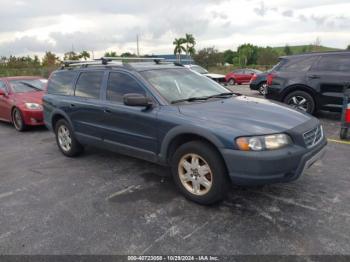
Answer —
104 203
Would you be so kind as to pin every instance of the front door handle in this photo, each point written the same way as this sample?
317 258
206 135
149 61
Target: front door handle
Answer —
72 105
107 111
314 76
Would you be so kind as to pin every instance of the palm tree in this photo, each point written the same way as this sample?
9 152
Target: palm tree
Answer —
84 54
190 43
178 42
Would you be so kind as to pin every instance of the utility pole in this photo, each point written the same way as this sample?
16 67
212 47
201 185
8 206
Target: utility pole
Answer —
137 45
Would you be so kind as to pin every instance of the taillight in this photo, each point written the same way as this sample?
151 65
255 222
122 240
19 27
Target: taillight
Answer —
269 79
347 115
254 77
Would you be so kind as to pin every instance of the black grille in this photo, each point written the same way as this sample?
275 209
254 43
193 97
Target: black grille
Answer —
313 136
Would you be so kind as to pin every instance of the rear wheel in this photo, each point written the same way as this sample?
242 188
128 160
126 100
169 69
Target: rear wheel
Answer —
262 88
65 139
343 133
301 100
231 82
200 173
17 120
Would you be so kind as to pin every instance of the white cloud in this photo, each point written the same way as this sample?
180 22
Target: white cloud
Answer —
35 26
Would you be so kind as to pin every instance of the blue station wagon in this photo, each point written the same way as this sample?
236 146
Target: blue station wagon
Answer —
167 114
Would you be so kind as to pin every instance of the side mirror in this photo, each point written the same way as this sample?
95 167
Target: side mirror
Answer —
137 100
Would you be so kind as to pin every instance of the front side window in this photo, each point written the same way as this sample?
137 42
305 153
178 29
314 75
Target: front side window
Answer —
120 84
28 85
89 84
334 63
177 84
61 83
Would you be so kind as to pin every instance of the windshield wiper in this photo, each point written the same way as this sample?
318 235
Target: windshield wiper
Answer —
222 95
191 99
31 86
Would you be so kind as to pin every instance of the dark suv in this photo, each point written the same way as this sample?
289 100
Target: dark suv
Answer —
310 82
167 114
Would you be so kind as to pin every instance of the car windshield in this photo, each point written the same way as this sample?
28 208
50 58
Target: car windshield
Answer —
179 84
28 85
199 69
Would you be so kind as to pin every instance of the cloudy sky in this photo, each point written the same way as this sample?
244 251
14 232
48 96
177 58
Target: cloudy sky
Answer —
32 27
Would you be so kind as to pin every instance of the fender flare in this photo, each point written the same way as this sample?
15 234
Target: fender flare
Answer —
185 130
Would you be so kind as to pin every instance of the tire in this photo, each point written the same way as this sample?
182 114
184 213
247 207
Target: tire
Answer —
17 120
231 82
215 180
262 88
65 139
302 101
343 133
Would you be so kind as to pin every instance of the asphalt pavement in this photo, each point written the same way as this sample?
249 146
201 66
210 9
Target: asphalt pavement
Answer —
105 203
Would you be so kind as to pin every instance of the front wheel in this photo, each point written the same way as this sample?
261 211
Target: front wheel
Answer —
200 173
18 121
65 139
301 100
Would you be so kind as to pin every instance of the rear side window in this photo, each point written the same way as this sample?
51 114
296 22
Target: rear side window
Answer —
2 85
61 83
334 63
120 84
299 64
89 84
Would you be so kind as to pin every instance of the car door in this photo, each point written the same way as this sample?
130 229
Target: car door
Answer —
248 74
5 105
86 108
130 129
239 76
328 77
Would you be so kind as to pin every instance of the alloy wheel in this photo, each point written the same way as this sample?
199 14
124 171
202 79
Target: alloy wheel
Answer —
64 138
299 102
262 89
17 119
195 174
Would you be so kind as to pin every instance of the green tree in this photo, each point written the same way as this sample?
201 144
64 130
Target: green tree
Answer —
50 59
267 56
84 54
208 57
348 48
229 55
288 50
127 54
110 54
71 55
247 54
178 42
190 42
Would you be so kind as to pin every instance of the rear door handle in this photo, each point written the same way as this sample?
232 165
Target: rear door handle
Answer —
314 76
107 111
72 105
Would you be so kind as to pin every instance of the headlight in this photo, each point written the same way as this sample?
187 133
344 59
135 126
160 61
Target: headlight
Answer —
33 106
260 143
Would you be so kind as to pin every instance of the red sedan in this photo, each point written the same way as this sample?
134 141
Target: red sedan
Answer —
21 101
240 76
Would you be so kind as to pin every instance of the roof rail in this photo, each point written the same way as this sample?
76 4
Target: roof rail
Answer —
107 60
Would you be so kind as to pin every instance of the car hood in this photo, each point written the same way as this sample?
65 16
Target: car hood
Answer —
214 75
246 115
29 97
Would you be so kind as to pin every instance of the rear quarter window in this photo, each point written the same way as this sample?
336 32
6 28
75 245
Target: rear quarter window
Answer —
302 64
61 83
334 63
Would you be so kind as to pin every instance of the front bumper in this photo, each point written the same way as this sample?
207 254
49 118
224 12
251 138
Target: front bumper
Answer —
33 117
284 165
